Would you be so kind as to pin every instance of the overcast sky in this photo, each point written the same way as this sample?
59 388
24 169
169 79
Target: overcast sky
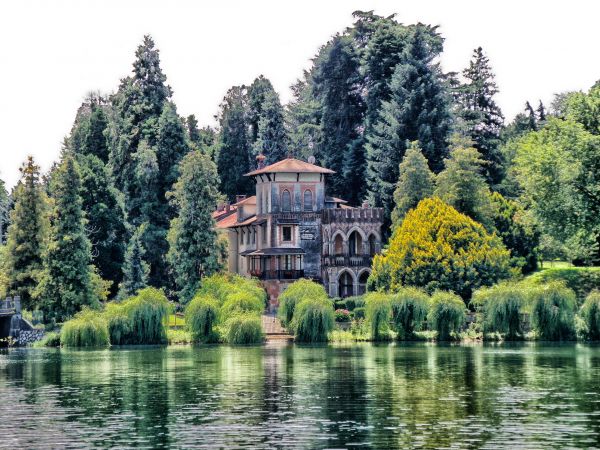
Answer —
53 52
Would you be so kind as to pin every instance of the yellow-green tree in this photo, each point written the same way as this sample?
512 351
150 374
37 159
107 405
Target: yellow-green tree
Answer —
436 247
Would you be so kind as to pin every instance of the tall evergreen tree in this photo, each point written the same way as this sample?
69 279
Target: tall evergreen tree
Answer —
233 159
418 110
135 269
66 281
271 139
463 186
194 250
27 234
416 182
483 117
303 118
257 93
337 86
4 211
541 112
531 117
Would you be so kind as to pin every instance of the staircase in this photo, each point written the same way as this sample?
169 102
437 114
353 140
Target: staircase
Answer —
273 329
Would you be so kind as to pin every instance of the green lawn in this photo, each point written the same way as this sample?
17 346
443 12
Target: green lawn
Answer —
175 321
555 265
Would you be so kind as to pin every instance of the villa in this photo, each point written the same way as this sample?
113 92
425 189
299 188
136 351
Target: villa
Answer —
291 229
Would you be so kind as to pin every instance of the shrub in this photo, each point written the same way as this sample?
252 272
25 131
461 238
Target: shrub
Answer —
342 315
201 316
148 312
51 339
296 292
590 313
243 329
222 285
359 313
313 319
553 311
175 337
502 305
241 302
436 247
446 314
582 280
87 329
354 302
409 309
119 324
379 311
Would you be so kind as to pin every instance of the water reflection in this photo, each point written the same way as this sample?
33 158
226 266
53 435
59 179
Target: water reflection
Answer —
285 396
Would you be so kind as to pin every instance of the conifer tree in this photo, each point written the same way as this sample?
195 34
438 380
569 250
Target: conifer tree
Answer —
483 117
4 211
66 282
541 112
95 141
193 131
271 139
415 183
531 117
135 269
257 94
193 247
463 186
27 234
233 159
418 110
337 87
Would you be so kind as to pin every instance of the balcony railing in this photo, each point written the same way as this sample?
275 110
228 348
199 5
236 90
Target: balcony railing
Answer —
279 274
347 260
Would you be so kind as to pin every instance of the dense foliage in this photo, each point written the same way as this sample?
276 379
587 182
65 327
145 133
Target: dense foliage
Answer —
87 329
446 315
409 310
436 247
378 315
582 280
502 306
293 294
553 311
590 312
201 318
313 319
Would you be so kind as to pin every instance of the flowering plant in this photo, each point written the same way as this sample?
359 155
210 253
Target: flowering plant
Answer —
342 315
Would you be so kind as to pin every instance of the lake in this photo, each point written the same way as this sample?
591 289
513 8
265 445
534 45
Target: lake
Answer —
290 396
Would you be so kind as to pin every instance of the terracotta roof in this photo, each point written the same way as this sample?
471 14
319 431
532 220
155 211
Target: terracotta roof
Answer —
290 165
246 201
227 221
277 251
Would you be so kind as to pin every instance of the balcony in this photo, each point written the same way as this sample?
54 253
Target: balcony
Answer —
347 260
278 274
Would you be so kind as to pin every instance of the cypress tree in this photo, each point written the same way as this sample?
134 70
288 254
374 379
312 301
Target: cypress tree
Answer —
531 117
336 85
541 112
257 93
418 110
193 247
483 117
27 234
95 142
415 183
233 159
4 211
66 281
271 139
135 269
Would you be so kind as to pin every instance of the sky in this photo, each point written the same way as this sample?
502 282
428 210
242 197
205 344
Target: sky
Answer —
52 53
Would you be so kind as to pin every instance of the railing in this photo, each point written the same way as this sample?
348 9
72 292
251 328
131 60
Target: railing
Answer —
10 305
279 274
347 260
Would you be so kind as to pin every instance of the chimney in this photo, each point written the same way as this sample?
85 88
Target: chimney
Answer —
260 161
365 204
239 198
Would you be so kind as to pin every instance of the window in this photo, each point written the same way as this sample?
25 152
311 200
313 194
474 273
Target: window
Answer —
287 262
286 201
254 235
308 200
286 234
264 234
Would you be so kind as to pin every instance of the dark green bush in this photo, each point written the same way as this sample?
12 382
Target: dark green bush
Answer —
354 302
50 339
359 313
379 313
87 329
119 323
294 293
409 310
313 319
501 306
220 286
243 329
201 317
582 280
553 311
446 314
590 313
241 302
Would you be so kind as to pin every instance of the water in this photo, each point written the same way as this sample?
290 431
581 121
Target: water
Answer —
286 396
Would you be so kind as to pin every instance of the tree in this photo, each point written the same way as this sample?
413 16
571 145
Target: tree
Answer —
482 115
135 269
271 138
541 112
336 81
66 282
95 141
436 247
194 250
415 183
417 110
27 234
462 185
558 170
233 160
585 109
105 218
4 211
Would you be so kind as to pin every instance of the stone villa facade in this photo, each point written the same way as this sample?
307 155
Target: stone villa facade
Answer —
291 229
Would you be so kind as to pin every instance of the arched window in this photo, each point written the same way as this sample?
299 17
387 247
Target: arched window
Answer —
286 201
308 200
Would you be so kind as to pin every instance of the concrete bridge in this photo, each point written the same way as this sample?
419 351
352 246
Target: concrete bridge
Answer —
12 323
